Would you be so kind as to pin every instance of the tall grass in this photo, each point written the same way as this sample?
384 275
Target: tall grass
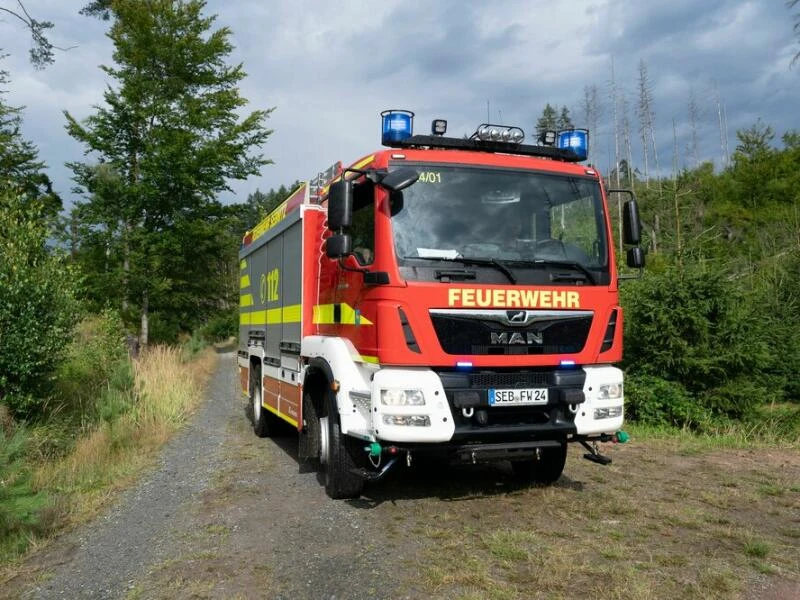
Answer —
165 393
129 422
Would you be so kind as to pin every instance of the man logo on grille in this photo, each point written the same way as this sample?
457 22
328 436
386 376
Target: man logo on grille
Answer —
516 317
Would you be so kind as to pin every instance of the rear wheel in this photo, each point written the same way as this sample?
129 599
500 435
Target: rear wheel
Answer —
261 418
545 469
341 455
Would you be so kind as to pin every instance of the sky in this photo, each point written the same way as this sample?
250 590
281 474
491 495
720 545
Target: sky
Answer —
330 67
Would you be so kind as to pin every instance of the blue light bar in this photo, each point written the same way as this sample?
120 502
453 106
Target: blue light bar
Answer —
567 363
576 140
463 365
398 125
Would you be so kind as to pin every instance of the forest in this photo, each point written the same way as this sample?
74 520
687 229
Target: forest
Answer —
149 256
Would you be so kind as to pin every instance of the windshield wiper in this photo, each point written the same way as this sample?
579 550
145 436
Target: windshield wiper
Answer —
487 262
570 264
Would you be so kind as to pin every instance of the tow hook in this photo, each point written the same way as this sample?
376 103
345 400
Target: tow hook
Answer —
375 453
593 453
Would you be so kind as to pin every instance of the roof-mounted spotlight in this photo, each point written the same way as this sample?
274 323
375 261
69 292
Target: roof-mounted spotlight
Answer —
547 138
499 133
438 127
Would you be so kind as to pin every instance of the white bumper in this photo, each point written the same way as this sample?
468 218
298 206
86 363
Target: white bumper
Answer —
593 417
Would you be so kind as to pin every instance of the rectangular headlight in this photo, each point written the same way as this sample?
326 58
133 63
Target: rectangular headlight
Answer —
394 397
609 412
609 391
407 420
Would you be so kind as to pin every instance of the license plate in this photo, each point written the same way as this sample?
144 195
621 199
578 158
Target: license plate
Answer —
517 397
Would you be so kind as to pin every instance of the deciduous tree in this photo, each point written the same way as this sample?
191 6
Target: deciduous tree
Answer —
170 132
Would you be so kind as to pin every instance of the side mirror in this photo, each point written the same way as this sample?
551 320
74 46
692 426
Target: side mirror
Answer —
631 225
340 205
338 245
399 179
635 258
395 203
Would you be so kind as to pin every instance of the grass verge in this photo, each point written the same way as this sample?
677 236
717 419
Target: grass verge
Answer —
674 516
115 450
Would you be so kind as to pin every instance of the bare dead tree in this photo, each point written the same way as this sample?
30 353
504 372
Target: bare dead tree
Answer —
694 120
792 4
591 114
723 127
675 156
648 115
626 137
643 112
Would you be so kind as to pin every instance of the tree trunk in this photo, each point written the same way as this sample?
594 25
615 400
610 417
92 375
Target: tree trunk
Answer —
126 263
145 329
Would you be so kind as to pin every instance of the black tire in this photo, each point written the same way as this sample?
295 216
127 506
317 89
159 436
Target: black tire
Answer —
543 470
310 436
261 417
343 456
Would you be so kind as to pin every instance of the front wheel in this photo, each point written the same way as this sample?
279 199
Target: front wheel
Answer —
341 456
545 469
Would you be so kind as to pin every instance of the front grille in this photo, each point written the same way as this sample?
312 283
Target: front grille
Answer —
472 334
518 379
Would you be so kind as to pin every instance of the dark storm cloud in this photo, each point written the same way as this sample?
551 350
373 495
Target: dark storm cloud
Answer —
434 42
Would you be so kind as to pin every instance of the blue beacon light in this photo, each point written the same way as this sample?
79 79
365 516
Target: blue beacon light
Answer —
576 140
397 125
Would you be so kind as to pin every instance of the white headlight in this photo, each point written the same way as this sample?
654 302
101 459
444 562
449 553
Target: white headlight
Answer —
394 397
407 420
609 391
610 412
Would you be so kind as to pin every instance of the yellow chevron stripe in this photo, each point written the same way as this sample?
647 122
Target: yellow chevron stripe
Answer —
242 265
359 165
246 300
244 282
323 315
369 359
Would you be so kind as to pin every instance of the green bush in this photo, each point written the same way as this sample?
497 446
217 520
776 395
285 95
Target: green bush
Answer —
651 400
192 346
694 328
221 327
94 356
38 307
690 325
163 328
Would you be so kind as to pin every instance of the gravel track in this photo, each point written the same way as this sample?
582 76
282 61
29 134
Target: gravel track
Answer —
224 515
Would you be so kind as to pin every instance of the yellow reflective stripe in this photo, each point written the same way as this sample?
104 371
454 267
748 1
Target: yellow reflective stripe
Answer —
359 165
369 359
286 418
242 265
292 314
246 300
323 315
273 316
244 282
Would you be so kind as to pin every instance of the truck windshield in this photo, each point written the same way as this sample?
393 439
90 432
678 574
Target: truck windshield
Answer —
519 219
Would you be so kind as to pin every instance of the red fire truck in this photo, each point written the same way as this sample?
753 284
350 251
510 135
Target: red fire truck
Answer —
443 294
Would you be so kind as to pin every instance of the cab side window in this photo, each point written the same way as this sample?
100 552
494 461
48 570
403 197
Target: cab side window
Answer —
363 228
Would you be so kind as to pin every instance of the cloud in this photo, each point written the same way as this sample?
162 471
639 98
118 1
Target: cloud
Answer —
330 68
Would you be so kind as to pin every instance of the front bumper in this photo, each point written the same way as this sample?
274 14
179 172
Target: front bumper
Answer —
457 410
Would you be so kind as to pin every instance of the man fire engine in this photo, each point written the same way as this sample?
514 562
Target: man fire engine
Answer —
446 294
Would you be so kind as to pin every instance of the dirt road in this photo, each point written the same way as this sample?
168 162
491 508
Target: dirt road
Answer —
228 515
